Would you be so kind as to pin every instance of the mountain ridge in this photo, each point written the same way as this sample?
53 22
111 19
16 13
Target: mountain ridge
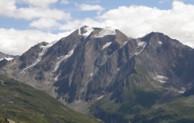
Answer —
95 65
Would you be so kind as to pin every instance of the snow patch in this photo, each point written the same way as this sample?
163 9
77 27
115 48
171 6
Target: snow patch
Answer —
106 45
56 78
105 32
77 101
118 69
181 91
100 97
160 78
70 53
160 42
124 43
91 74
7 58
85 85
48 45
143 45
88 31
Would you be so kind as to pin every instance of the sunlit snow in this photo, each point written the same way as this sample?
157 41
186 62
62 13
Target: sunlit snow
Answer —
88 31
70 53
161 78
106 45
7 58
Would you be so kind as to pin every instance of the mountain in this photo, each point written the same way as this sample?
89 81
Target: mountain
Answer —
6 56
64 68
112 76
22 103
156 91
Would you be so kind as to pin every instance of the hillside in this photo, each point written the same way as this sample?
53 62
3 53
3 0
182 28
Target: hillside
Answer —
22 103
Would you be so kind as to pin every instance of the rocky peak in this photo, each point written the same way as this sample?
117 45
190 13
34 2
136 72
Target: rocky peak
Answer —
154 35
6 56
98 33
159 39
30 56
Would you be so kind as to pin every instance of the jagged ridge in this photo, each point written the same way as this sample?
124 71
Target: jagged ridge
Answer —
96 64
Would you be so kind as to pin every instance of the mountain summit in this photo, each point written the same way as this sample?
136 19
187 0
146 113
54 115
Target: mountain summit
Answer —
96 69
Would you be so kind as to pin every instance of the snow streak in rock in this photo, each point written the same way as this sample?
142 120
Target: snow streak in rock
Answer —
40 55
161 78
106 45
70 53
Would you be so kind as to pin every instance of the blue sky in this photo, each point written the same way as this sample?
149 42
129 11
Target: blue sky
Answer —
31 21
72 7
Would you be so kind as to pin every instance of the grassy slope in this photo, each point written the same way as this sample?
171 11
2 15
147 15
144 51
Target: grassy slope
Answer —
22 103
143 108
180 110
137 101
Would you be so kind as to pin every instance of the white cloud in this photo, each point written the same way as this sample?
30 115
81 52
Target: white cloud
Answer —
17 41
9 9
64 1
31 13
45 24
137 21
89 7
38 3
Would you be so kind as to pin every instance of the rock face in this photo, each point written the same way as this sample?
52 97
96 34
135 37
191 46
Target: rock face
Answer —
93 64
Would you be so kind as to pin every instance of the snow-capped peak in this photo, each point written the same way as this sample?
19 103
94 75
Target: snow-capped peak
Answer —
87 31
